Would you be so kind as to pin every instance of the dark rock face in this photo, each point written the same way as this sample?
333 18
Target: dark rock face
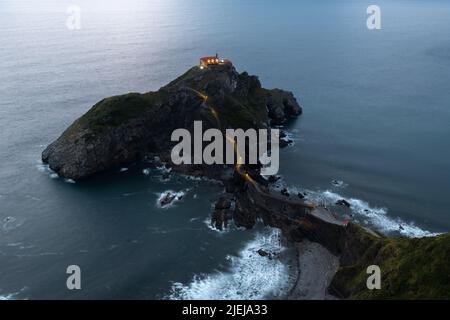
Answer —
282 105
167 199
123 129
223 203
222 213
264 253
343 202
244 214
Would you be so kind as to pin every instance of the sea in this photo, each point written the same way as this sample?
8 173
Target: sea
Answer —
375 131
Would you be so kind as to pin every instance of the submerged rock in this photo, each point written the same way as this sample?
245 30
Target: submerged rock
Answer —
285 143
169 197
263 253
273 179
337 183
285 192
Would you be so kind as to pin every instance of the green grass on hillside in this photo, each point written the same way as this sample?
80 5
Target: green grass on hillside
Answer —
114 111
410 269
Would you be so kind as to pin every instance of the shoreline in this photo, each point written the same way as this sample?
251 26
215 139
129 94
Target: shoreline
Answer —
316 267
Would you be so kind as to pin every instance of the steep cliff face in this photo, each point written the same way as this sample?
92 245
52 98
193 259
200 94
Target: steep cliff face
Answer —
126 128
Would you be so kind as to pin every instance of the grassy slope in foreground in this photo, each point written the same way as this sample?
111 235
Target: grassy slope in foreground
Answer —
410 269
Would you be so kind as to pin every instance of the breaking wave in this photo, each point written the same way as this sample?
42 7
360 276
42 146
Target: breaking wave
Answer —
11 296
251 276
163 169
372 216
290 138
44 168
7 297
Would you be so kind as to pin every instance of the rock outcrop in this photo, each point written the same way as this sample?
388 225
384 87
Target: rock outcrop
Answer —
222 213
127 128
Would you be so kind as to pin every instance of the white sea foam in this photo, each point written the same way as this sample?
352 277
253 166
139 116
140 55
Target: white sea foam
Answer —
161 172
11 296
290 138
70 181
199 178
250 275
44 168
162 168
373 216
207 222
7 297
231 226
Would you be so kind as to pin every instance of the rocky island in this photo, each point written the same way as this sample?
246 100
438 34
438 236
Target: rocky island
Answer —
133 127
126 128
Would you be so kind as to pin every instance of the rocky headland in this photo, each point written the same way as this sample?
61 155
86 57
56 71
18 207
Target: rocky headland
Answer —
335 254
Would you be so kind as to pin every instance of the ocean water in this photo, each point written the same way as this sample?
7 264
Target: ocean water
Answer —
376 119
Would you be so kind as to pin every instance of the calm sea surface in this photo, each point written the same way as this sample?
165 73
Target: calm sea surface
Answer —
376 119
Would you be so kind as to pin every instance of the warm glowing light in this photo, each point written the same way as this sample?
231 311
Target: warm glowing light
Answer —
250 179
216 116
201 95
